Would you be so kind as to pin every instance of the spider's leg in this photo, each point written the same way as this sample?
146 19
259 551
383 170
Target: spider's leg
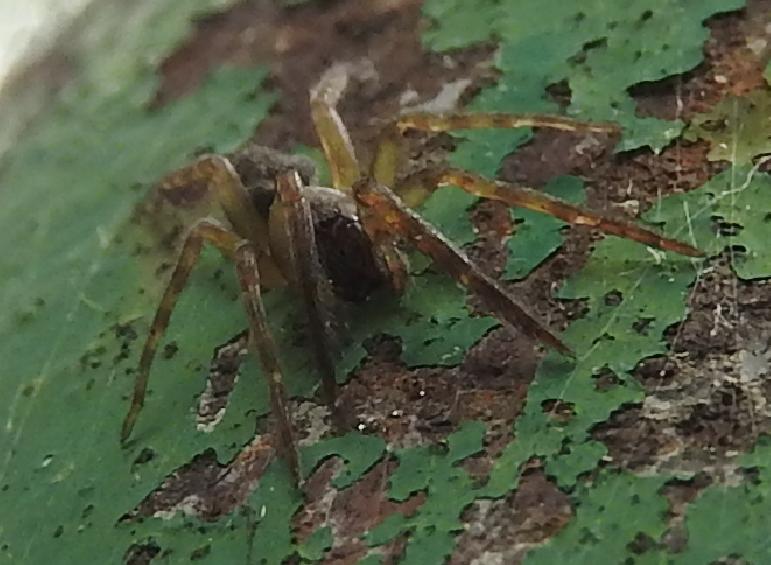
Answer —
292 213
384 246
448 121
340 154
388 155
230 244
420 185
216 174
383 211
203 230
263 342
330 128
385 163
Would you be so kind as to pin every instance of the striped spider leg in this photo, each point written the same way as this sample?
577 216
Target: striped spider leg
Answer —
245 241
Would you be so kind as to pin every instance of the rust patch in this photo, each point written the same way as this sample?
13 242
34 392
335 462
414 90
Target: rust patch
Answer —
206 488
734 59
299 43
352 511
223 375
502 531
708 399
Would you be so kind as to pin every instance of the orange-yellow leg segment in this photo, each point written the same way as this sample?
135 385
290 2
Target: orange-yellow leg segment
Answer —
382 211
232 245
448 121
385 163
340 154
422 184
334 137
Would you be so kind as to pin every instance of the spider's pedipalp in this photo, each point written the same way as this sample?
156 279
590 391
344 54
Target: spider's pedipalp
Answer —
389 214
388 154
293 212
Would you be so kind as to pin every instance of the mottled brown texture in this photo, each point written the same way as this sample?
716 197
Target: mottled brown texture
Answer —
300 43
346 514
707 399
730 67
502 531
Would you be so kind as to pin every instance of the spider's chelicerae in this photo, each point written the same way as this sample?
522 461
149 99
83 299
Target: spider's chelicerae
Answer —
318 239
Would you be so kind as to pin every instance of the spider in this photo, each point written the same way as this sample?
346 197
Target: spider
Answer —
319 239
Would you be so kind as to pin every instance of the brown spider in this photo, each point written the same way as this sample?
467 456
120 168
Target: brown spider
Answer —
288 234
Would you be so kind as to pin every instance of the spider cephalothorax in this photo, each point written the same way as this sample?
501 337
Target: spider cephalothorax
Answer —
344 239
344 249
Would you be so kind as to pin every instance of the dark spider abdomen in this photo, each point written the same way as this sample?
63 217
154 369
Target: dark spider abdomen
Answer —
346 256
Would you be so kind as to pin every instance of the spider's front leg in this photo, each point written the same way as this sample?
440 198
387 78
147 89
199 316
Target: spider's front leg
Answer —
203 230
382 211
246 260
262 341
291 222
334 136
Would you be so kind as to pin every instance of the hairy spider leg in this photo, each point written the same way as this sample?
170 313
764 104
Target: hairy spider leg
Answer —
218 176
388 153
334 136
448 121
421 184
415 188
382 211
292 211
264 344
253 263
231 245
203 230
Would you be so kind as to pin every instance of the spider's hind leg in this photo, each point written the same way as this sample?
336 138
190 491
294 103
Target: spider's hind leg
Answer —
417 187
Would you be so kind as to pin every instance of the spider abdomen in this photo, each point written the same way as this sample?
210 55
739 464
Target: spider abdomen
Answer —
345 253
